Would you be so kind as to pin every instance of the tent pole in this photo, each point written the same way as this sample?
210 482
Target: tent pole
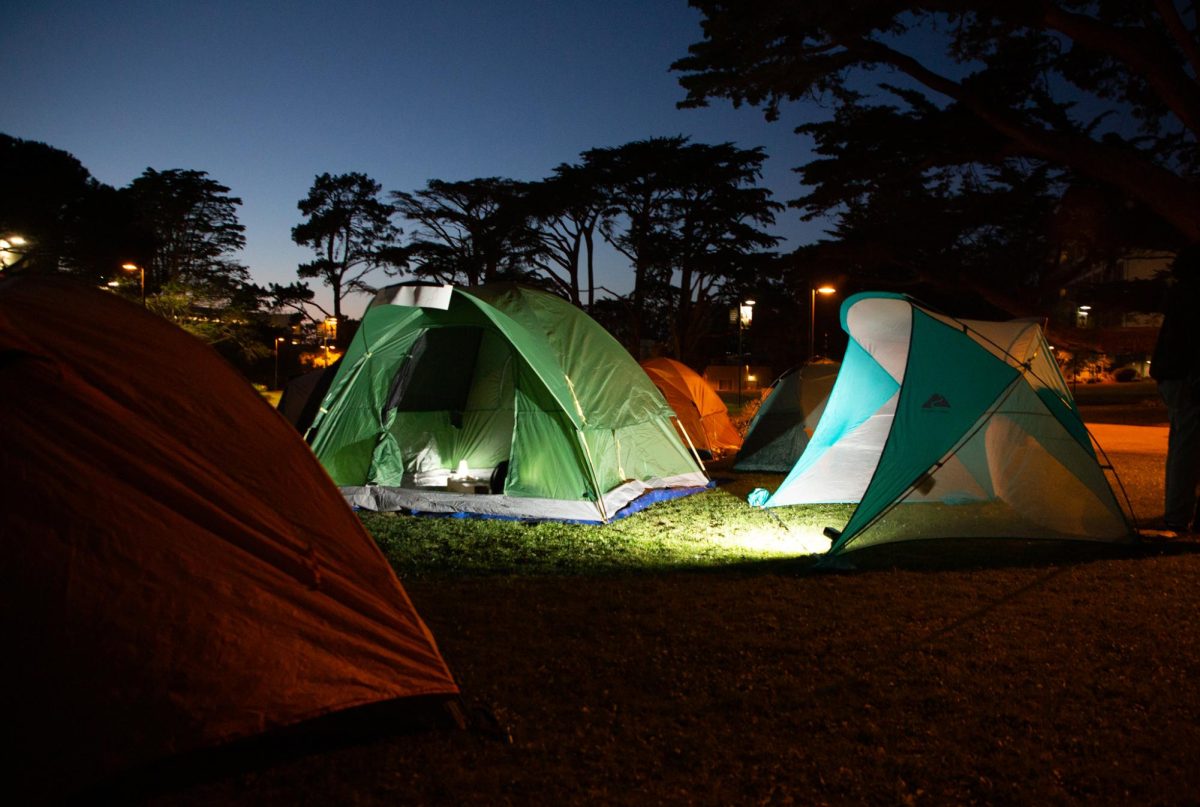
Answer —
591 468
691 445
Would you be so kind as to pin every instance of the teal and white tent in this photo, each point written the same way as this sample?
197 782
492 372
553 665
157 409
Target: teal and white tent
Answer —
944 428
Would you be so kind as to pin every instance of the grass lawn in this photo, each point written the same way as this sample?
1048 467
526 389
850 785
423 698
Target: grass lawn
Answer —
692 654
713 529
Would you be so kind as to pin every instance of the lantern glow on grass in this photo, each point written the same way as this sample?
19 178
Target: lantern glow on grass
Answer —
709 529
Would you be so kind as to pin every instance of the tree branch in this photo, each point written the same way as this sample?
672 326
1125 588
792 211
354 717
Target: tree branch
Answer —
1172 198
1183 37
1142 57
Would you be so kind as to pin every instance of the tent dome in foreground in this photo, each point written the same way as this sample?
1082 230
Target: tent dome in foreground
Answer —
179 571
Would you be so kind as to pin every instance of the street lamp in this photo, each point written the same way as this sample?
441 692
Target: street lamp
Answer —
812 318
745 317
278 339
133 267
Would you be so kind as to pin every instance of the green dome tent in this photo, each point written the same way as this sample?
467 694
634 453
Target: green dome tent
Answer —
779 430
943 428
499 400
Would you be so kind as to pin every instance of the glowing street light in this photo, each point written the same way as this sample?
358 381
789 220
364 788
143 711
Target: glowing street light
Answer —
745 317
278 339
812 318
133 267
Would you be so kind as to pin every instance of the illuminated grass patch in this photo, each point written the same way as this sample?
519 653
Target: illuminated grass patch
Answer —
710 529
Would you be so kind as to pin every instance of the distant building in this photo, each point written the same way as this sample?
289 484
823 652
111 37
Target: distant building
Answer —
1095 304
1109 312
724 377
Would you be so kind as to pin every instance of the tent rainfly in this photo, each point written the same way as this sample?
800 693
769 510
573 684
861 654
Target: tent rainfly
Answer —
500 401
779 430
699 410
942 428
302 396
180 572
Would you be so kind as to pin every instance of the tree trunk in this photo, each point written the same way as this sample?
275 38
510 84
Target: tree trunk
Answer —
591 270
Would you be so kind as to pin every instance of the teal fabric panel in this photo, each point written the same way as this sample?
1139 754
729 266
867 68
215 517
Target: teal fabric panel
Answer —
950 382
862 387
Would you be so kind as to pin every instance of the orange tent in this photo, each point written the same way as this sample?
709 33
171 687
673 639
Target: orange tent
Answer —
701 412
179 571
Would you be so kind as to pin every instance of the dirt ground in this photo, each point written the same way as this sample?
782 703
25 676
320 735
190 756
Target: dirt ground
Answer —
1006 672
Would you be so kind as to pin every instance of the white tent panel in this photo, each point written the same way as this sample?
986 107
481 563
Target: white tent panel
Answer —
883 327
842 473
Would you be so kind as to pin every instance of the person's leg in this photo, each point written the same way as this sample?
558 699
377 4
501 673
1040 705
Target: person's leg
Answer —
1183 453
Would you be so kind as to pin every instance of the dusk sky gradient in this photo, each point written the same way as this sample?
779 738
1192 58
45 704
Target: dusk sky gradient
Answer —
265 96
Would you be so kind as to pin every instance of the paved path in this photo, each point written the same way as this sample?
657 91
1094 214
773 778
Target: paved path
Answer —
1114 438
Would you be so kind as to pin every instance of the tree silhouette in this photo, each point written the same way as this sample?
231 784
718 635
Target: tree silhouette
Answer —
565 210
66 218
192 221
349 228
473 231
686 215
924 194
638 188
1107 90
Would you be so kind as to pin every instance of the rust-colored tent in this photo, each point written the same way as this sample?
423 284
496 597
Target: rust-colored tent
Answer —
178 570
701 412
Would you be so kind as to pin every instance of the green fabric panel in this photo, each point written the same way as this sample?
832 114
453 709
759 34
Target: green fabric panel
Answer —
425 441
646 450
540 359
862 387
1046 378
485 438
610 387
484 441
347 430
653 449
600 447
479 433
605 383
949 383
779 439
973 456
1068 415
387 460
546 461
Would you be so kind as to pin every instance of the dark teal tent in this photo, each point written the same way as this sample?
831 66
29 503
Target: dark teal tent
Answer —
779 431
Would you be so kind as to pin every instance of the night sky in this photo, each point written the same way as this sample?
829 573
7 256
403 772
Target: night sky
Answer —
264 96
